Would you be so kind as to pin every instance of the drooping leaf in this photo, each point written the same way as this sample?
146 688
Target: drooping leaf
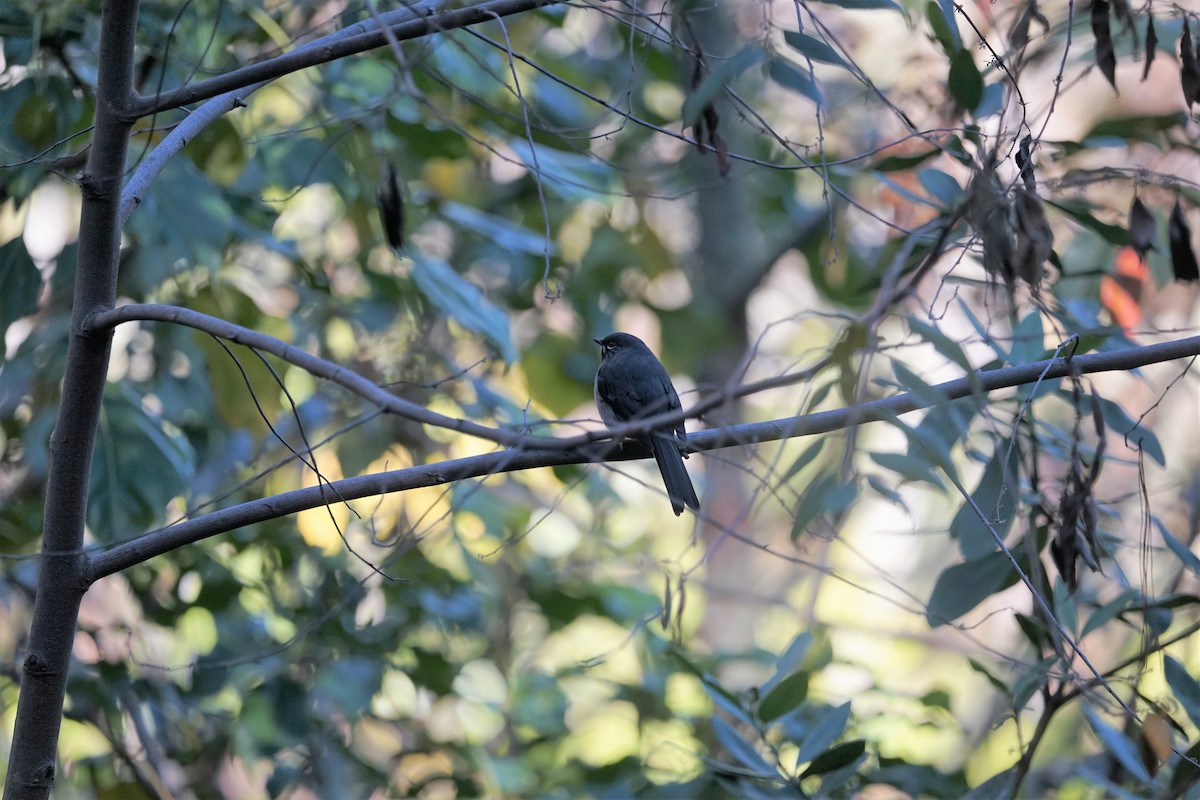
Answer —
1106 59
1143 231
825 732
1151 46
940 14
20 283
1179 236
804 459
996 499
741 749
786 74
140 465
965 82
1018 37
1184 687
1181 551
826 495
463 302
1118 745
785 697
814 48
961 587
940 185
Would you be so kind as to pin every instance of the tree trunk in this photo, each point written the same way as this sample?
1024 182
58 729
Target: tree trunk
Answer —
61 579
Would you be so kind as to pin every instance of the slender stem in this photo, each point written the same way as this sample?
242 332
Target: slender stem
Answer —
61 583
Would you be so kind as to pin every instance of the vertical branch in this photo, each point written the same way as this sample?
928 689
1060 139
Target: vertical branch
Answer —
61 583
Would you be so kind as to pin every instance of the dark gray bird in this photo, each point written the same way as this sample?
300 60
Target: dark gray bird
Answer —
632 384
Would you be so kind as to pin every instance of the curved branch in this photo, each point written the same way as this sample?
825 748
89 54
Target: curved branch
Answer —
357 38
820 422
164 540
317 366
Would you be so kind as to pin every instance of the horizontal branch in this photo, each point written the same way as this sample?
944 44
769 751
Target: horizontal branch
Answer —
357 38
164 540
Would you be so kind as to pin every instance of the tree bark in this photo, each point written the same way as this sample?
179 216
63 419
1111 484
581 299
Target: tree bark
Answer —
61 582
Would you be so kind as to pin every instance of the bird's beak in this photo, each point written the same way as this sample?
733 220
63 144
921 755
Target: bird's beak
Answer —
597 341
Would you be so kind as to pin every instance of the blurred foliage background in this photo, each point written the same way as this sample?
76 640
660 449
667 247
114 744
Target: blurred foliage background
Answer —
754 188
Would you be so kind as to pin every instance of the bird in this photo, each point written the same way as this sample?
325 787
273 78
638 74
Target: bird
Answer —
631 383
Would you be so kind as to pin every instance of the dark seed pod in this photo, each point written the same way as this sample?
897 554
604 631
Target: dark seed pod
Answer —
1151 45
1183 257
1143 231
1189 71
1106 59
391 208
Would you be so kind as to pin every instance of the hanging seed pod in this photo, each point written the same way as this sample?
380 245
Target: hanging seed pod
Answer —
1143 230
1025 164
1151 45
1183 257
391 208
1035 240
1106 59
1189 71
988 212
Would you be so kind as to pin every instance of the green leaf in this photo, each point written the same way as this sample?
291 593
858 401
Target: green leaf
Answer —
739 748
965 82
826 495
463 302
1030 681
829 727
940 185
910 466
836 757
788 76
505 234
940 14
997 684
1118 745
813 48
946 346
925 393
898 163
1186 773
790 660
1123 425
725 71
961 587
1126 600
786 697
804 459
20 283
1028 341
1184 687
1177 547
138 468
996 499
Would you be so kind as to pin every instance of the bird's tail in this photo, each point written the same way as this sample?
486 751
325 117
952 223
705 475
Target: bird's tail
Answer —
674 474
